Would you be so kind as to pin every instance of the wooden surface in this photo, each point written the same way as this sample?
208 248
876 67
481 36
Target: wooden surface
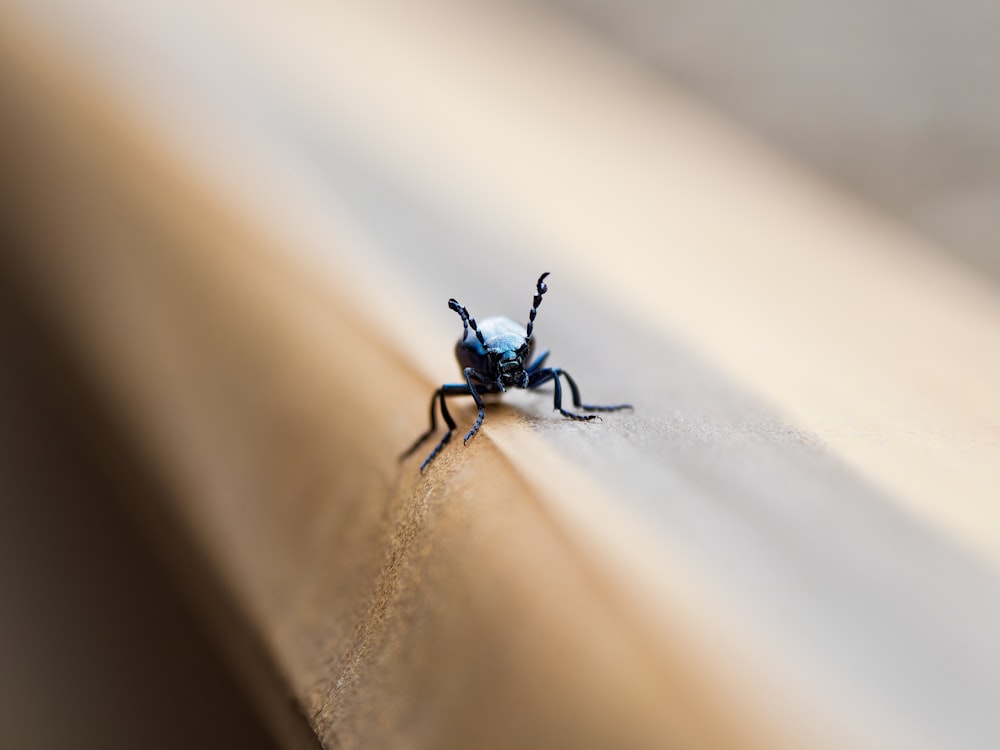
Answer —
98 646
793 540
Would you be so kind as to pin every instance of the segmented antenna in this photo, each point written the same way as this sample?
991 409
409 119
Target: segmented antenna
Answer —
467 321
542 289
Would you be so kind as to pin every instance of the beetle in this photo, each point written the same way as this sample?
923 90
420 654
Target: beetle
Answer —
496 358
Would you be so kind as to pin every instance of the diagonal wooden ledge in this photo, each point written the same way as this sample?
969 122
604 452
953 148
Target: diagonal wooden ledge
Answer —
499 601
436 611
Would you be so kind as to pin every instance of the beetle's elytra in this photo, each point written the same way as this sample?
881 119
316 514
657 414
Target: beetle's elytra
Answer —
498 357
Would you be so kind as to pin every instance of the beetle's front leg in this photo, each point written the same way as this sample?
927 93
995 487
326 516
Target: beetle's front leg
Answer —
553 373
539 361
471 374
557 399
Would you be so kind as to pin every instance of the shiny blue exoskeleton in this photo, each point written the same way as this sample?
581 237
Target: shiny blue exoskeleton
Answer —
496 358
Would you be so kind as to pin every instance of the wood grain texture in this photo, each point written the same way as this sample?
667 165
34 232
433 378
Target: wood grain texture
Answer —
760 556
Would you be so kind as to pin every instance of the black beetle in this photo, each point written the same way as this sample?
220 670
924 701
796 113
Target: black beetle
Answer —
496 359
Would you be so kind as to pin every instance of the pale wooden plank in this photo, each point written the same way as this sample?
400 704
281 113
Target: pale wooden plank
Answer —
656 561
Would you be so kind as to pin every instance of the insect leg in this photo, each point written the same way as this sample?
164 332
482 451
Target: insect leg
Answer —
539 361
430 430
469 375
587 407
553 373
453 389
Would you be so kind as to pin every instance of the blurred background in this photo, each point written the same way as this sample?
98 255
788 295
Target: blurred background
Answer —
98 647
890 100
411 152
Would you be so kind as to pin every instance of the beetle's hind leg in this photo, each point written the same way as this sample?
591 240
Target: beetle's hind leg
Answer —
554 373
430 431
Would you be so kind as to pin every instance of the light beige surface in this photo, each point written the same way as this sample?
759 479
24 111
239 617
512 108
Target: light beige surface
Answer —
801 504
892 100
